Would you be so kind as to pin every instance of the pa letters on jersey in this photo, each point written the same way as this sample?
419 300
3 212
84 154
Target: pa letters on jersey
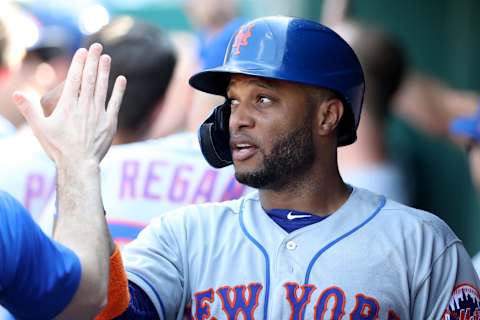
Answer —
371 259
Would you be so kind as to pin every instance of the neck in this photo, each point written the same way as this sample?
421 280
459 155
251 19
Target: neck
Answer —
319 193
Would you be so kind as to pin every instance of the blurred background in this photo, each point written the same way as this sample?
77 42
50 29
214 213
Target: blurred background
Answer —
418 139
420 128
440 36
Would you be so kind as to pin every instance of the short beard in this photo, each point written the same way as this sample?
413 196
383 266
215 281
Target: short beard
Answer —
291 157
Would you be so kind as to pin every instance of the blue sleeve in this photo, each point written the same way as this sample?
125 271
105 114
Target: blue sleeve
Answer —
38 276
140 306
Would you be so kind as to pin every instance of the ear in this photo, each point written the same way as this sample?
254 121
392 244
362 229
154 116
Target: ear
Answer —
329 114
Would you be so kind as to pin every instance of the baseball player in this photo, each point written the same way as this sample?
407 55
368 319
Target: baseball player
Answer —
40 278
306 245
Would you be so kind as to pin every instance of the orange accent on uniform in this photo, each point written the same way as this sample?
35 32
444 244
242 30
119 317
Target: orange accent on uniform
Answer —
118 293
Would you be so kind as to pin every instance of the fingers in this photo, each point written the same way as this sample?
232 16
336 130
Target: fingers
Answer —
89 77
116 98
50 99
101 87
74 77
32 114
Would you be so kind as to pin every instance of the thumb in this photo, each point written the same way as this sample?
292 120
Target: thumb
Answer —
27 108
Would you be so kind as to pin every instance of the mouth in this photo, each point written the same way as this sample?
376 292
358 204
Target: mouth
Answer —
242 151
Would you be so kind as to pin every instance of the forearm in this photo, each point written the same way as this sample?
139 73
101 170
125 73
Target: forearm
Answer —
81 226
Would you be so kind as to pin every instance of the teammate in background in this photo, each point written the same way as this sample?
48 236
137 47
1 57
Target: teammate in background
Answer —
11 54
437 171
367 163
142 179
40 278
306 244
209 18
25 171
467 128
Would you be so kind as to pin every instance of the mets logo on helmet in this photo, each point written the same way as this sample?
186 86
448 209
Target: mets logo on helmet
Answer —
464 304
241 39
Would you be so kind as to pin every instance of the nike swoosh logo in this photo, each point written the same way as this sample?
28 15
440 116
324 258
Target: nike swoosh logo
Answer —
290 216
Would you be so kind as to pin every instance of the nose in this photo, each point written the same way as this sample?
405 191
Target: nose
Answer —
240 118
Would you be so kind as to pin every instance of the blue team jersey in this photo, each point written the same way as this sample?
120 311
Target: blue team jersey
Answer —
38 276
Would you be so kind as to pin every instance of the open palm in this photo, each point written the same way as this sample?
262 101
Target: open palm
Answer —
81 127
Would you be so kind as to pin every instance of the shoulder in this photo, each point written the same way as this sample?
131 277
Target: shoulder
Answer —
409 221
208 211
203 216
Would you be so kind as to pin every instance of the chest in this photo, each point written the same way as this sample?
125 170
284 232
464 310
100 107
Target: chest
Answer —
299 276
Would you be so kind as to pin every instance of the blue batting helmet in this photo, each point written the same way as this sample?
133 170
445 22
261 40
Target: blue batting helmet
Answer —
283 48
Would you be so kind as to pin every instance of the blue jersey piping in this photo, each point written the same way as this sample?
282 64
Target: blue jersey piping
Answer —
267 261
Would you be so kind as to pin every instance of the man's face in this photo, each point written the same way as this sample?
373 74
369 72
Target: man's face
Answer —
271 131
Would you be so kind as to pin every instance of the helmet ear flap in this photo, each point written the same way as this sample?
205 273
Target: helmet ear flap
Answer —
214 137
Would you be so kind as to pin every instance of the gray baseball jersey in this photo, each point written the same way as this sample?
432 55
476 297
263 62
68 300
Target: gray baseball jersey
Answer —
372 259
476 262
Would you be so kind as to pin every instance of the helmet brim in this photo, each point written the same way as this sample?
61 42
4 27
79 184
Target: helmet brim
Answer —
214 81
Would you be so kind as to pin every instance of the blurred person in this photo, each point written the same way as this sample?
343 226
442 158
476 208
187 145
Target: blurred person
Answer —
213 20
439 103
177 104
48 41
467 128
210 16
437 171
367 163
6 127
143 178
12 51
28 173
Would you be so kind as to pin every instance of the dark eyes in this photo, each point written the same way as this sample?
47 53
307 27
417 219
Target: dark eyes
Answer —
261 100
264 100
233 102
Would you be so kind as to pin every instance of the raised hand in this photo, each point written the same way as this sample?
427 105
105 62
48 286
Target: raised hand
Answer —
80 127
77 136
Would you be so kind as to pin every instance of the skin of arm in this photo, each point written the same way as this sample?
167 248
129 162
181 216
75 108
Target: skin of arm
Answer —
76 136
